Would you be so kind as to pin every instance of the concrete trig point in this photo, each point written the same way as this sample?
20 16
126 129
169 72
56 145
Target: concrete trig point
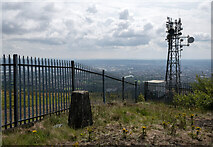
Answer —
80 114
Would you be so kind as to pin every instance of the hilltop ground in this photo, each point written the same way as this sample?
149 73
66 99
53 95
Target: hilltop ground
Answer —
145 123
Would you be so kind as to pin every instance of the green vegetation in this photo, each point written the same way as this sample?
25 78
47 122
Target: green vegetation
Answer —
141 98
202 96
187 122
46 97
146 123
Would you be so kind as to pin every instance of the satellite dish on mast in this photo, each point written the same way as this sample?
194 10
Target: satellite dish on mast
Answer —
191 40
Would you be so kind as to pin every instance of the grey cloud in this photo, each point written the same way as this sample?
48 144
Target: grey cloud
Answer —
126 34
13 6
28 11
69 23
202 37
89 20
49 41
92 9
124 30
35 14
35 11
160 31
123 25
108 21
50 7
133 41
162 43
205 6
148 26
124 14
12 28
125 38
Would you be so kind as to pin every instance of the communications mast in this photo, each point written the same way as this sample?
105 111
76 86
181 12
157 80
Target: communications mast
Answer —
175 46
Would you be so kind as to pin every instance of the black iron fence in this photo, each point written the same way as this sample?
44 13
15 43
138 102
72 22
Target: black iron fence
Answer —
160 92
35 87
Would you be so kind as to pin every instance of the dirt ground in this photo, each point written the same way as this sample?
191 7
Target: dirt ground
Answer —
113 134
121 125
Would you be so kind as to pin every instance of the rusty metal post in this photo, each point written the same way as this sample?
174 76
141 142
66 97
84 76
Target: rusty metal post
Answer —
15 74
136 92
145 90
123 88
73 75
104 99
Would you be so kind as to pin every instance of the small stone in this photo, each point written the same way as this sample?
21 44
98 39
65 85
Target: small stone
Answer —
58 126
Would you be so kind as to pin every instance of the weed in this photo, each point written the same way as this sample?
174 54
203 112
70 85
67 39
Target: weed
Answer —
196 135
141 98
107 120
76 144
89 130
198 130
143 132
193 136
115 117
192 119
164 125
193 127
125 131
142 112
173 129
182 124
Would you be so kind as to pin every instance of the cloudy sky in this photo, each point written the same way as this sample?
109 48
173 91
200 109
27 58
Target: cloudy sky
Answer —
106 29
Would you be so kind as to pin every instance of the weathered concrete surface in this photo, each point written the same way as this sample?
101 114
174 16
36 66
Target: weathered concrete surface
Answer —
80 114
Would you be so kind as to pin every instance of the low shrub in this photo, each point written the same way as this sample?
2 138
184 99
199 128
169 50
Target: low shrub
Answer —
141 98
202 96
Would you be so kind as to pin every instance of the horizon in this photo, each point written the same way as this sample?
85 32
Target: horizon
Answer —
131 59
139 59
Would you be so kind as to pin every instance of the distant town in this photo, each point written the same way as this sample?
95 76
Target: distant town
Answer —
144 70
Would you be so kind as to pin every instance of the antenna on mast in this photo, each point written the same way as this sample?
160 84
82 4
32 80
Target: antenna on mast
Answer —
175 46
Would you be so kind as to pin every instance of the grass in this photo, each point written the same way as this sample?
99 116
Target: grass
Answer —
56 97
43 96
111 119
61 99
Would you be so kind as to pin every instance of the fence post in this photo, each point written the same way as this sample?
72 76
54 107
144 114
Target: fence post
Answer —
123 88
73 75
104 99
136 92
145 90
15 73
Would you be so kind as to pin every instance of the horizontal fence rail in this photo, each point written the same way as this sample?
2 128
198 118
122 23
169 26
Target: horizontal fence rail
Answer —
35 87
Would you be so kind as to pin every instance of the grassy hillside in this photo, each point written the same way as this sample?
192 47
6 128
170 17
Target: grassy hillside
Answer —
145 123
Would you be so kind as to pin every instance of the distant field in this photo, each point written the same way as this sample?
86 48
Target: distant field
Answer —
145 123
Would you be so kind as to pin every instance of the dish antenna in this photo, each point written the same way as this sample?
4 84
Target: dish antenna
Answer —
190 40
